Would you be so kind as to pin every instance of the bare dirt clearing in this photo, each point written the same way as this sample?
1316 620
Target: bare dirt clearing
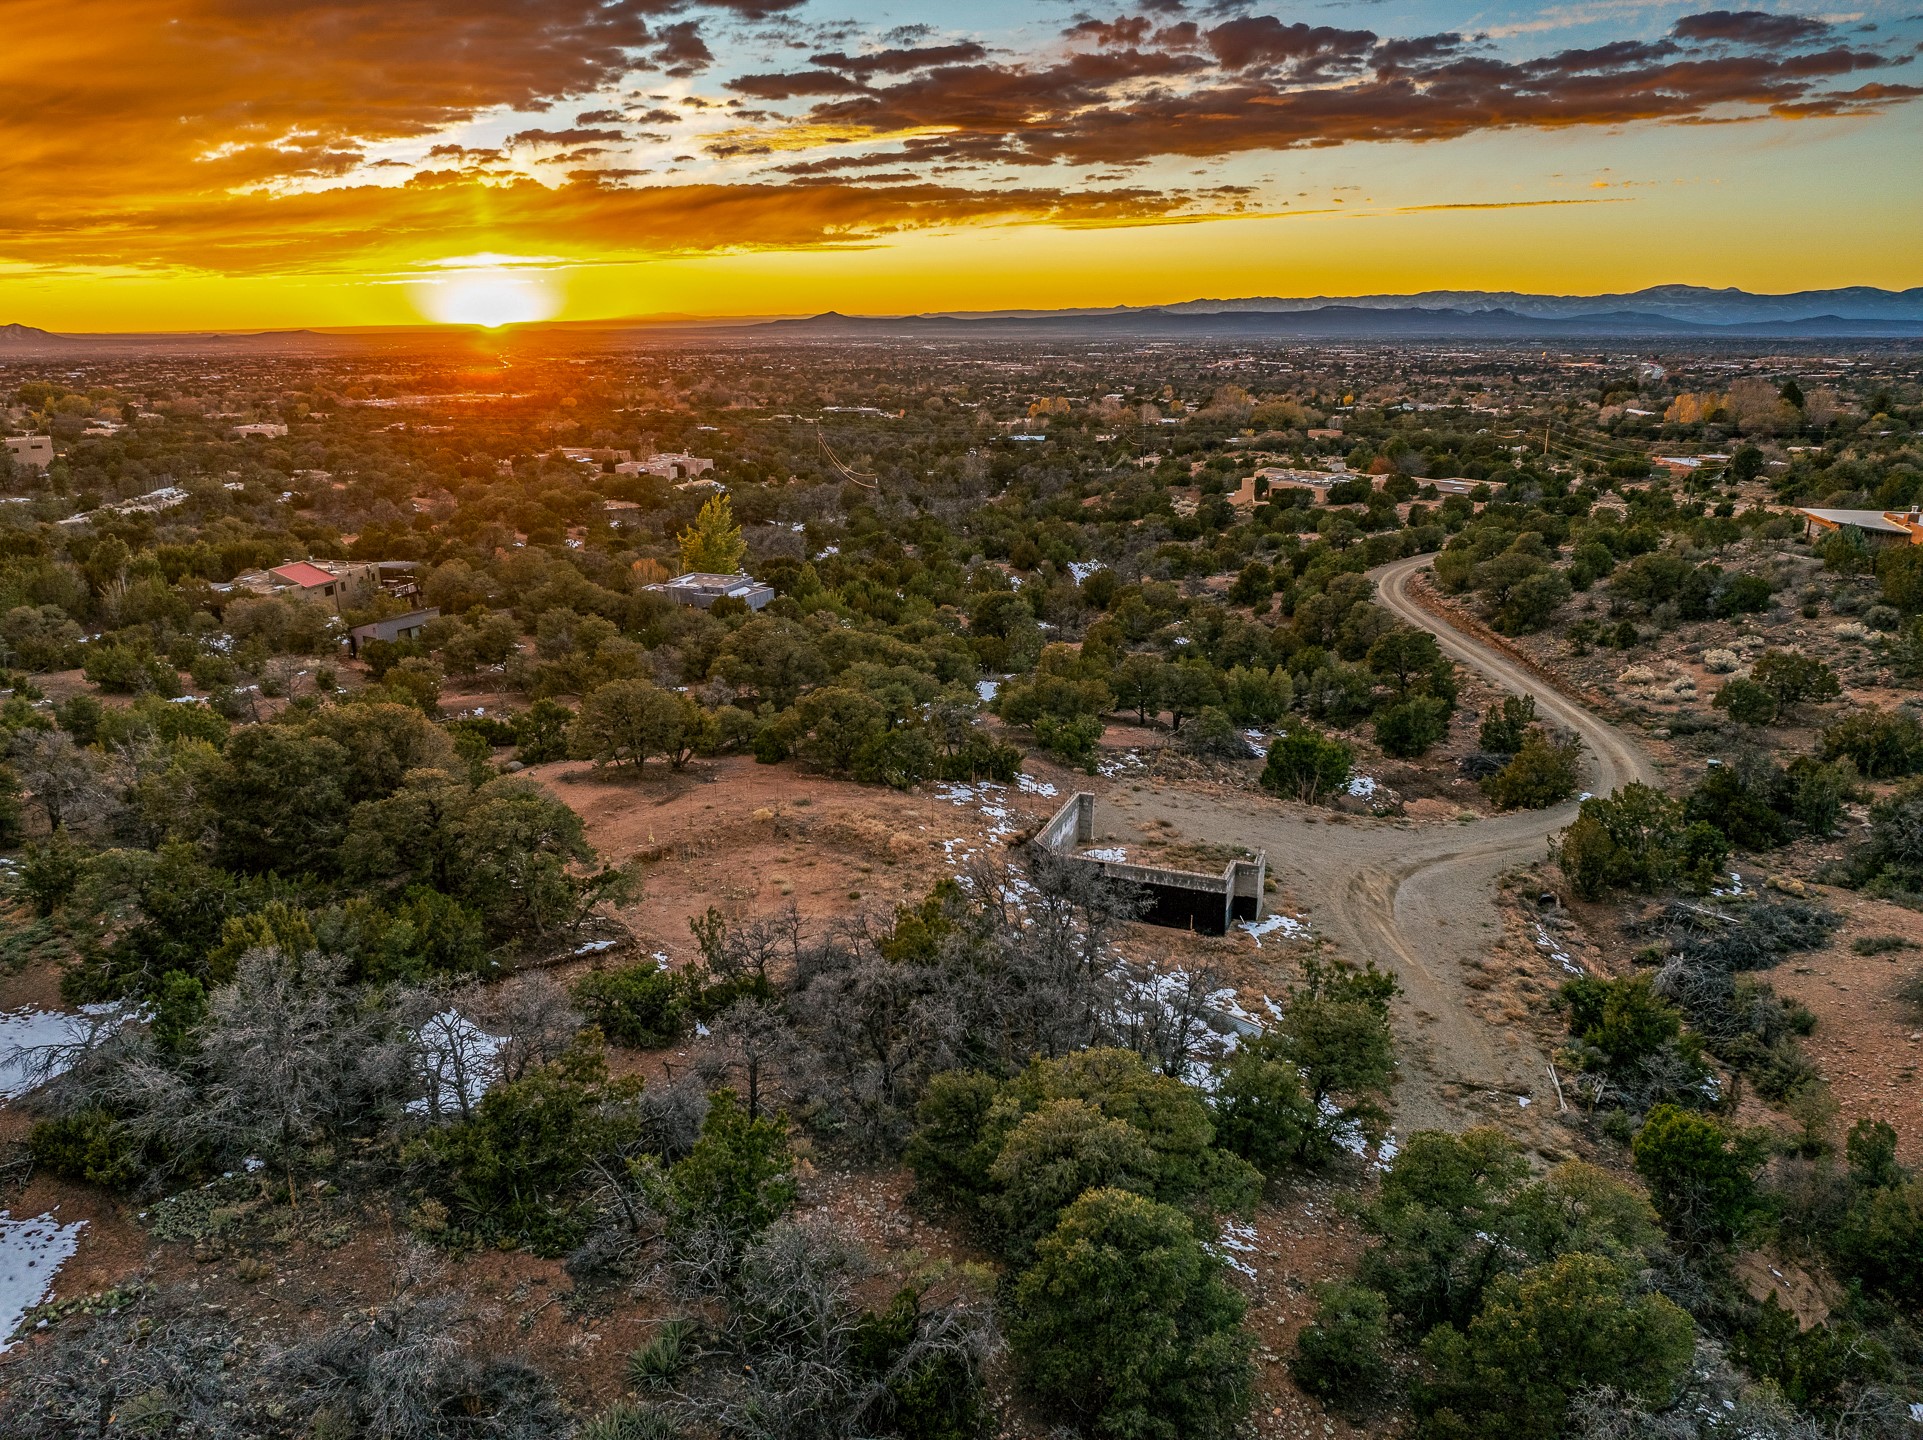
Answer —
1867 1043
750 839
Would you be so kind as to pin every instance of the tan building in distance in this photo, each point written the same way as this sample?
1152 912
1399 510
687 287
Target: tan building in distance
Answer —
669 466
35 452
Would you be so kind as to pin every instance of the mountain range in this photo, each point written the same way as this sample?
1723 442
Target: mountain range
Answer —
1855 312
1335 321
1693 303
31 342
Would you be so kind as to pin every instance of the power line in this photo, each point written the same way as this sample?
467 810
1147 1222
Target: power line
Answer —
860 477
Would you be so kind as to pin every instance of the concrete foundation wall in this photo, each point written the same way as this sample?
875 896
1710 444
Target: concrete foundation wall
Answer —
1182 899
1073 824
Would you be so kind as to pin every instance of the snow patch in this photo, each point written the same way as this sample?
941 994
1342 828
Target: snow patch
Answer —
1290 927
1561 957
457 1062
1112 853
1082 569
36 1045
987 799
987 690
1235 1241
31 1254
1362 786
1224 1022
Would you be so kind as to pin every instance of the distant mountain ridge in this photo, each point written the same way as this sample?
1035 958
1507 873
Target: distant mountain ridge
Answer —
1858 312
19 341
1694 303
16 336
1336 320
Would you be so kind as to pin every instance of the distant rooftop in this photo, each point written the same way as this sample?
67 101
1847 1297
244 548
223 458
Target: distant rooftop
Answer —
701 589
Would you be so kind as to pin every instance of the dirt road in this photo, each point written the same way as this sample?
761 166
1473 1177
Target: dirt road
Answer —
1418 900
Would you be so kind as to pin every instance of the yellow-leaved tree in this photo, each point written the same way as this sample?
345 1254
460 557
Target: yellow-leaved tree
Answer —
713 544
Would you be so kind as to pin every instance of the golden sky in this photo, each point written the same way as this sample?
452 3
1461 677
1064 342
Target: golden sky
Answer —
261 163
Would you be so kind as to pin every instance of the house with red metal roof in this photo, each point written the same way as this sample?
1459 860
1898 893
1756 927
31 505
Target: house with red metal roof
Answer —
337 584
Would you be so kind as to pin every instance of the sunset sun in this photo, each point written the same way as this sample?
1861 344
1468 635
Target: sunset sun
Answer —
488 298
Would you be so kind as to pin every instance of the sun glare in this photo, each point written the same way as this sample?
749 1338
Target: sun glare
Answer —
488 298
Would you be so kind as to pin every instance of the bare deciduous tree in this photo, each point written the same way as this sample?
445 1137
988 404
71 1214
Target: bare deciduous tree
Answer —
288 1056
411 1368
795 1335
750 1048
70 786
1163 1015
879 1028
533 1017
451 1060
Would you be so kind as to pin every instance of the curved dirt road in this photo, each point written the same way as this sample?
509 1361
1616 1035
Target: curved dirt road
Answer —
1418 900
1614 759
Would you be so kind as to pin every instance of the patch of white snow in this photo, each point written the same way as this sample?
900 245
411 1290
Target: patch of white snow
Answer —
1291 928
36 1045
31 1254
456 1063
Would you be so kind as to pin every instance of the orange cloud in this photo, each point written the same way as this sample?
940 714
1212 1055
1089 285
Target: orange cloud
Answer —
235 136
374 228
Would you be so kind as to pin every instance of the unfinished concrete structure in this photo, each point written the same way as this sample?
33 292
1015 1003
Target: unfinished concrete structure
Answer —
1184 899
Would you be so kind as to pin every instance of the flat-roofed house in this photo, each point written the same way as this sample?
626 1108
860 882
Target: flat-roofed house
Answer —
1278 477
672 465
34 452
1879 527
393 628
701 590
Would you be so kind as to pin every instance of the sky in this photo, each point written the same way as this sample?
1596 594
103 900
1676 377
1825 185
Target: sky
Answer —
186 164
